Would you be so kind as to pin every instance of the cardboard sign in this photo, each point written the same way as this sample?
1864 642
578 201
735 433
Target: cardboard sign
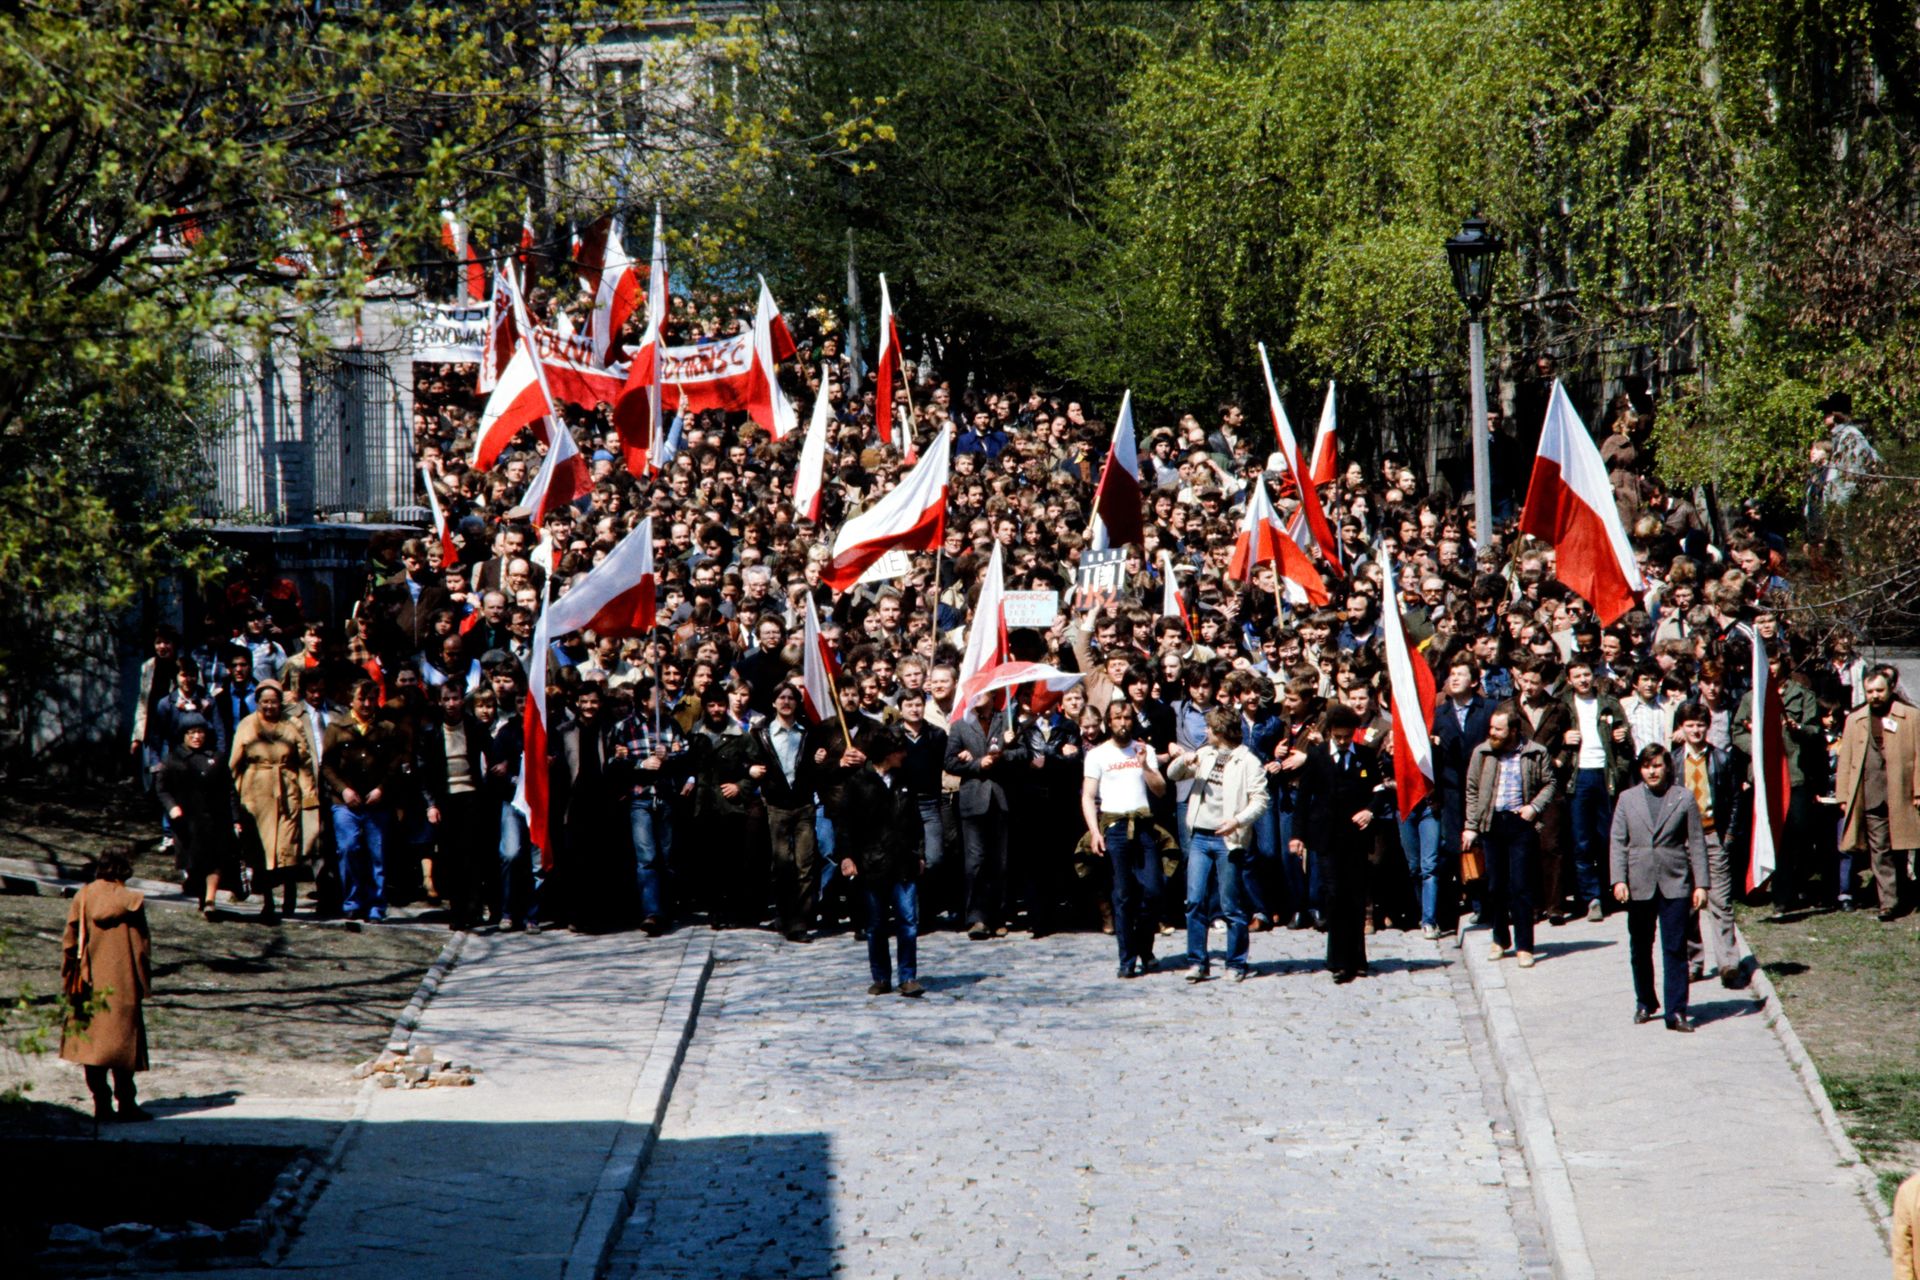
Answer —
1030 608
1099 571
894 564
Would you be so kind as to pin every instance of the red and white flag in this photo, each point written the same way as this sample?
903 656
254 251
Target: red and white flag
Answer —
912 517
1321 470
563 478
616 285
986 634
1570 504
615 599
637 413
1772 774
809 480
886 368
772 344
1117 520
1009 675
449 550
816 666
1263 540
526 232
1316 519
454 235
1172 603
502 335
518 400
1410 680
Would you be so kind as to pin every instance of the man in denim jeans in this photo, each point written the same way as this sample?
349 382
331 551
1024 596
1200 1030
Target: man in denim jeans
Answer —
1597 740
1228 797
882 843
655 757
1120 775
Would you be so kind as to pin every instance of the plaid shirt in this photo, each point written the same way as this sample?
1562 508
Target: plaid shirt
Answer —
1507 796
637 734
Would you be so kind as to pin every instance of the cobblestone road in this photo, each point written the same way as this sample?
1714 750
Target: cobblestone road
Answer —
1033 1116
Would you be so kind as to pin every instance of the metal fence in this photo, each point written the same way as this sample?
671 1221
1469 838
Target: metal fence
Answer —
235 440
360 450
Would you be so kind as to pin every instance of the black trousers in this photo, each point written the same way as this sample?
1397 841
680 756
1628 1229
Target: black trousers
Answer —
796 867
465 859
1346 868
1669 917
984 840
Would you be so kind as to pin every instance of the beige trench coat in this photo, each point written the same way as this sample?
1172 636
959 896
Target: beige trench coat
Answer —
274 776
1902 747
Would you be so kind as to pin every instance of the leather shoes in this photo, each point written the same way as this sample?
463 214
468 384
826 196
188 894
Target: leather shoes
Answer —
1257 924
1642 1014
1343 978
1127 970
1682 1023
1300 921
912 989
979 932
880 989
1888 916
1735 979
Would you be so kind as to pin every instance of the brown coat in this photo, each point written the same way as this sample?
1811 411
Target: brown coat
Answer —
1902 747
274 776
112 967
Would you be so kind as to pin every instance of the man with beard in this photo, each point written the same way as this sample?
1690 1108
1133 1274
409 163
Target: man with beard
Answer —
583 788
721 812
1121 776
1878 782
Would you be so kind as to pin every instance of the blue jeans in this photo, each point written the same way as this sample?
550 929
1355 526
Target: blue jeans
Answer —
360 837
823 841
651 819
1135 861
1261 881
519 876
1592 816
892 910
1208 858
1420 841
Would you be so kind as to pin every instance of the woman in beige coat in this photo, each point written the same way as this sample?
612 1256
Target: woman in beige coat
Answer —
104 971
274 776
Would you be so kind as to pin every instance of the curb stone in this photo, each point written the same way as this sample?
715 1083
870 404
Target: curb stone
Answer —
613 1196
1775 1014
1532 1120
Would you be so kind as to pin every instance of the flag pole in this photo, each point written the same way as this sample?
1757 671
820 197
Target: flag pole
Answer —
833 687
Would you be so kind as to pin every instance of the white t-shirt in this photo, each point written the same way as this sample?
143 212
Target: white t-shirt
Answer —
1121 772
1593 752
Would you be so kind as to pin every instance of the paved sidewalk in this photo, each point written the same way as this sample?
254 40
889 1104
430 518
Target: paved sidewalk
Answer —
493 1180
1690 1156
1035 1117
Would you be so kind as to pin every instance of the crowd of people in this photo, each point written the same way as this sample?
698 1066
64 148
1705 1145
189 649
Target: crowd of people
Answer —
1233 764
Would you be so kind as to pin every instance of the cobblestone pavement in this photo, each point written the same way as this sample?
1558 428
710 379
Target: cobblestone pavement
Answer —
1034 1116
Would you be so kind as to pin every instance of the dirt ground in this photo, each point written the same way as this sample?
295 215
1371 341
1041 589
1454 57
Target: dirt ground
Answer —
239 1010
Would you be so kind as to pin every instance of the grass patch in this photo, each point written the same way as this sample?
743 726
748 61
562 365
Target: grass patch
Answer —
1852 987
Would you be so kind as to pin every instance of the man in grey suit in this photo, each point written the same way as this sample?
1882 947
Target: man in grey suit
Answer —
982 750
1659 867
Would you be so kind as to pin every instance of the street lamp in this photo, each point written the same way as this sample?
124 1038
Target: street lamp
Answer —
1471 254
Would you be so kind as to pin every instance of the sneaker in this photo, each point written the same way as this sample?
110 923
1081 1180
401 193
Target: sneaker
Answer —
1242 974
1595 912
1495 951
1198 975
880 989
1526 959
912 990
1430 932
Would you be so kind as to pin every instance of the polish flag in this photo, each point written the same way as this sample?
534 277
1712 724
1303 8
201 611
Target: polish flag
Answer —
1411 682
810 478
912 517
1263 540
1008 675
1290 450
453 234
1570 504
1172 603
816 667
1116 502
986 636
563 478
886 368
616 286
1772 775
615 599
526 232
449 550
772 343
517 402
1321 470
501 337
637 412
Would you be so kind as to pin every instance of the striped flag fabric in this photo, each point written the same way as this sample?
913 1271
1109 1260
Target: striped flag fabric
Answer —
887 367
816 666
1263 539
986 635
1316 518
449 550
1172 603
1772 775
912 516
1117 520
637 411
1570 504
809 478
616 285
1411 681
772 343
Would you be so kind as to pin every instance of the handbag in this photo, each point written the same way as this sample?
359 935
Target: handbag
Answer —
1473 866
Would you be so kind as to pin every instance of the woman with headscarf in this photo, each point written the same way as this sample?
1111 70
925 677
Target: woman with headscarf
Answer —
104 971
196 790
273 773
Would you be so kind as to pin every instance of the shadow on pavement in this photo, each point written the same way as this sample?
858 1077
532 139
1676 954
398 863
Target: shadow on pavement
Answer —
753 1204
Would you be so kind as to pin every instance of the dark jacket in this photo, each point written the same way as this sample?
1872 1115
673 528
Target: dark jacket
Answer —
1451 751
982 790
926 759
775 790
879 828
1723 790
198 783
719 757
374 760
1610 715
432 754
579 797
1329 797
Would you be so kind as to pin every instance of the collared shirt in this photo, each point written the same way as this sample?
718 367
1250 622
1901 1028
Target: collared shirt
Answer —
1508 795
641 739
787 740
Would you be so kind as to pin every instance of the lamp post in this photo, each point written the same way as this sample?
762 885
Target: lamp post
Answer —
1471 254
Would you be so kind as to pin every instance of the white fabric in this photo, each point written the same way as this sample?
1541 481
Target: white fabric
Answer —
1593 752
1121 773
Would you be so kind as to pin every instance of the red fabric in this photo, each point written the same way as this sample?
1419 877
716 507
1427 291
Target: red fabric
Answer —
924 535
1583 553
